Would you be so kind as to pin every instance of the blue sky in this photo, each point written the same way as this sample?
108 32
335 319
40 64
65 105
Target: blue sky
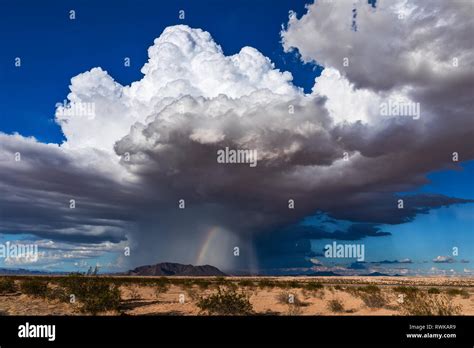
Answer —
53 49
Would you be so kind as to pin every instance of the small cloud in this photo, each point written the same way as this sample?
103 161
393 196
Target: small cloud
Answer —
443 259
315 261
394 261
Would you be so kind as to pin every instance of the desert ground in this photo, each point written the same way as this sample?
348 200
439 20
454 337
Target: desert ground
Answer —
125 295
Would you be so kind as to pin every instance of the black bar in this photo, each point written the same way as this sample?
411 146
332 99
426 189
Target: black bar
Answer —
260 330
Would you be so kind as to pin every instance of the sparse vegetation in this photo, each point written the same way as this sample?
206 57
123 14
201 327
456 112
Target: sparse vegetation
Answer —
225 302
293 284
133 292
369 289
95 294
335 306
7 285
247 283
373 299
231 295
99 297
290 299
419 303
34 287
162 285
455 292
433 291
266 283
370 294
203 284
312 286
57 293
406 290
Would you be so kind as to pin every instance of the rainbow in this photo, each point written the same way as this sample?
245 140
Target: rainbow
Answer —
211 235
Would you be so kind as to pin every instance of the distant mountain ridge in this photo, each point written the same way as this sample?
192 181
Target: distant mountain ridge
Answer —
22 271
175 269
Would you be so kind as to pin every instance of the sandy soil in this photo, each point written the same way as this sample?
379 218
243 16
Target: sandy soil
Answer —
296 299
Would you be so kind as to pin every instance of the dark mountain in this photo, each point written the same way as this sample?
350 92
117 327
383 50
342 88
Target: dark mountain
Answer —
324 274
378 274
175 269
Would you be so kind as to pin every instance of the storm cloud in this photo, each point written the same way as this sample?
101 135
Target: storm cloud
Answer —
152 146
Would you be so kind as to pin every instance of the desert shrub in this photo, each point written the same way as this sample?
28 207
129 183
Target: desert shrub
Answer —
193 294
99 296
373 299
371 295
7 285
370 289
294 310
406 290
57 293
225 302
162 285
202 283
134 292
418 303
34 287
219 281
247 283
456 292
335 306
313 286
284 298
337 287
266 283
292 284
95 294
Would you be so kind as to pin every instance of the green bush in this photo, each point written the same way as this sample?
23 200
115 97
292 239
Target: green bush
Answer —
225 302
99 296
433 291
95 294
7 285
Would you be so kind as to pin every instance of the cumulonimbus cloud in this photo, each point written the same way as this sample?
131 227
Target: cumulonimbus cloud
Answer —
154 143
